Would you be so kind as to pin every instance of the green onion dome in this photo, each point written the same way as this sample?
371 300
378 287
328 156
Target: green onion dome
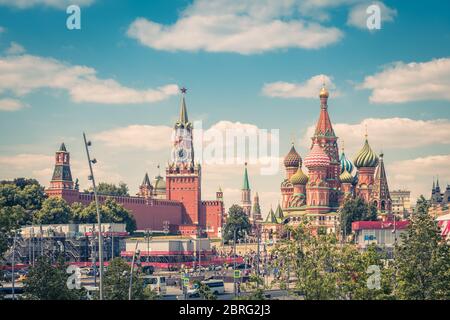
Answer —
346 177
366 158
292 159
346 164
299 177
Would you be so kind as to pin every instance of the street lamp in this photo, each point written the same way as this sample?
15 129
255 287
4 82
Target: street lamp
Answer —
136 254
87 144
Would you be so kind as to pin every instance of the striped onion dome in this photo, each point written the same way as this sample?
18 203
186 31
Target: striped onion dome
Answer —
346 177
366 158
317 157
292 159
346 164
299 177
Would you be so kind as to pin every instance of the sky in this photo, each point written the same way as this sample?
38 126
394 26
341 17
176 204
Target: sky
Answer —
248 65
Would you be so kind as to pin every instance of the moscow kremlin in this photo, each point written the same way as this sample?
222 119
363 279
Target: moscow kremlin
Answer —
176 200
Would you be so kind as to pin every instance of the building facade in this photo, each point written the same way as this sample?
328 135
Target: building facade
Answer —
330 179
175 201
401 203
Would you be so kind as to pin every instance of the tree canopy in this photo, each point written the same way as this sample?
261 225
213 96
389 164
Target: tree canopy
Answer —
236 220
110 189
49 282
356 210
423 259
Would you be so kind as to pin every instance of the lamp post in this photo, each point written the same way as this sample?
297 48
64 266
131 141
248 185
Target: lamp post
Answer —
13 278
148 236
87 144
135 254
258 230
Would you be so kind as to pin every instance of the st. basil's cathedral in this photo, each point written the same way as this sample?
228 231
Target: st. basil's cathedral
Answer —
330 180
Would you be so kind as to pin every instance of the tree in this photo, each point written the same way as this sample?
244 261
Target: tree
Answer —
110 189
110 211
356 210
323 269
236 220
27 193
48 282
204 291
117 281
10 220
422 259
54 211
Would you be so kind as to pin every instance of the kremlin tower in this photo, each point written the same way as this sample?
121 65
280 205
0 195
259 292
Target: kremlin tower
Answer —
246 202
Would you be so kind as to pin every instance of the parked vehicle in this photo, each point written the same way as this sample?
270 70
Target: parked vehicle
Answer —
156 283
91 292
216 286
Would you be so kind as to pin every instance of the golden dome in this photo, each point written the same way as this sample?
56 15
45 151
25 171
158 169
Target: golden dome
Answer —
324 92
299 177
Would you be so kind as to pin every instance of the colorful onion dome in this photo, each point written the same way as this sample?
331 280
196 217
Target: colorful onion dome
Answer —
317 157
292 159
355 178
346 164
346 177
299 177
366 158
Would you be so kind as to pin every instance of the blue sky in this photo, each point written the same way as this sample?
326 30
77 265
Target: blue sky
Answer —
134 53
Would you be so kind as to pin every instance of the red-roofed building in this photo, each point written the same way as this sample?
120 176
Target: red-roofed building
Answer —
381 233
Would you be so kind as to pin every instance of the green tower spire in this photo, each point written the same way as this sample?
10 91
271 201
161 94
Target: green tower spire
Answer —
246 185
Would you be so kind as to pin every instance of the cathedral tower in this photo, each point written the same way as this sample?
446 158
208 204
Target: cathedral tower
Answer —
380 194
317 189
366 161
325 137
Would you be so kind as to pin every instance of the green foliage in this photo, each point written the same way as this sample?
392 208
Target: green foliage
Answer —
205 291
110 189
327 270
10 220
117 280
48 282
236 220
423 259
54 211
110 212
356 210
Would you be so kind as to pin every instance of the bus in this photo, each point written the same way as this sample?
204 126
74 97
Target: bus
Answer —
156 283
216 286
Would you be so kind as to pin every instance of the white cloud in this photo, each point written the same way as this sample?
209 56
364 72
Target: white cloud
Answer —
147 137
231 26
60 4
400 82
358 16
417 174
307 89
25 73
26 161
389 133
11 105
15 49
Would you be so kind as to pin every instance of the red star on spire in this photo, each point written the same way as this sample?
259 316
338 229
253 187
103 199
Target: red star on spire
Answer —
183 90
